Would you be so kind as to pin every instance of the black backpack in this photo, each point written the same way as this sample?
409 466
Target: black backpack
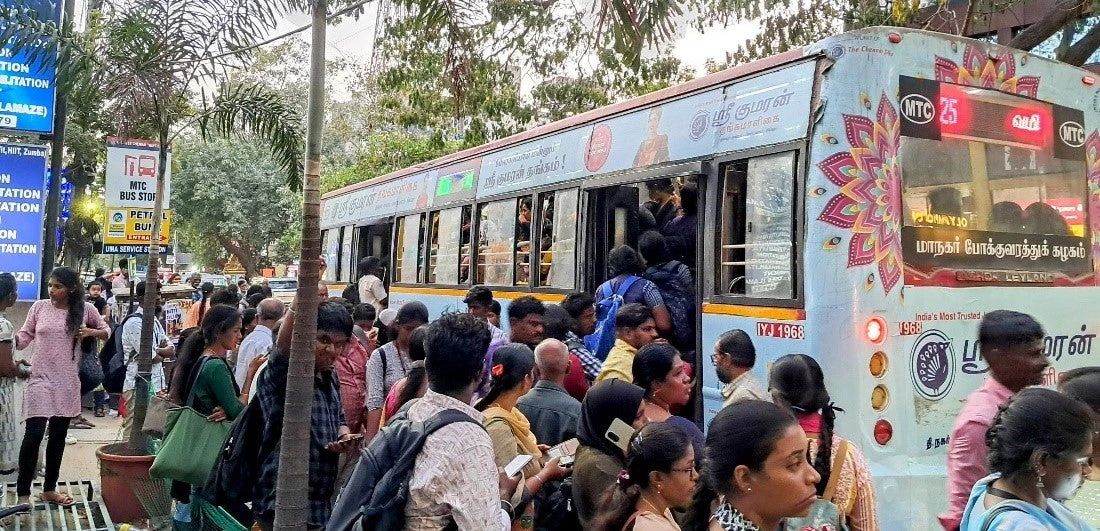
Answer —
680 301
114 360
239 458
378 490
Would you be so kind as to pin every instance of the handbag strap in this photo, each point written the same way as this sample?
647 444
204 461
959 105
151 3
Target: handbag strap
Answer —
997 510
193 378
839 458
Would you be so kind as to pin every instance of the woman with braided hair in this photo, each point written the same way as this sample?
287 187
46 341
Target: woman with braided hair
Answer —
660 475
797 382
1040 449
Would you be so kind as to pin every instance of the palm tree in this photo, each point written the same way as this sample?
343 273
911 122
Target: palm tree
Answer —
147 58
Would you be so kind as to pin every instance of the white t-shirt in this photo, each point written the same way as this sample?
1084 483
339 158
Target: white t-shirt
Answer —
131 338
372 291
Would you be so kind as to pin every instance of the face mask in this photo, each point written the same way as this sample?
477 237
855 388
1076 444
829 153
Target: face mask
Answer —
1066 489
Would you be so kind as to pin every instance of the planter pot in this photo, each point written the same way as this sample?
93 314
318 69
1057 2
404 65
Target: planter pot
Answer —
129 494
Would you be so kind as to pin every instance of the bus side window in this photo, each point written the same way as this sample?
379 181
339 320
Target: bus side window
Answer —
330 244
345 274
496 243
465 244
407 264
757 227
446 228
524 224
557 246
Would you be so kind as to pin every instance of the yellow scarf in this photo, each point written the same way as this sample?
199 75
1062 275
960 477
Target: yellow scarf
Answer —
521 427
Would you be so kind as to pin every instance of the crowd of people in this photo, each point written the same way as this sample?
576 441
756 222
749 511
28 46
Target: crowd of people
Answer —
599 440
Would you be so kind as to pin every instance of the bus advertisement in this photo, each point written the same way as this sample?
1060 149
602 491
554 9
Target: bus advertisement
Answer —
864 201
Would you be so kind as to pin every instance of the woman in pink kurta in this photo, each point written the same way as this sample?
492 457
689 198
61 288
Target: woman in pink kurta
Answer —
54 327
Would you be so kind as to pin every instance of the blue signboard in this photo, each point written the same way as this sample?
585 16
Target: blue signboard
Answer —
22 209
27 87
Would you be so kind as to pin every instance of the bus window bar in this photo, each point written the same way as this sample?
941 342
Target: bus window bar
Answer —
735 263
752 245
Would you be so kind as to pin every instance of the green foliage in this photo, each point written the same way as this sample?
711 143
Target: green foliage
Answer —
230 197
388 152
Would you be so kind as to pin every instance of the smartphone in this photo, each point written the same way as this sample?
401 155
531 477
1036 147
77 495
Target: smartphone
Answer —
564 449
619 434
517 464
566 460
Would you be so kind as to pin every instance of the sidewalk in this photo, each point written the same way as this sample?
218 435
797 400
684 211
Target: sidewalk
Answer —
80 462
79 478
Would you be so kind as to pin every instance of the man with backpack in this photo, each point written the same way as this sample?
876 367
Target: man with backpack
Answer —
161 349
329 433
435 466
673 279
626 286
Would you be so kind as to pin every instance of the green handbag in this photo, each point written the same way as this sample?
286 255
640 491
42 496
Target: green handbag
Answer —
191 444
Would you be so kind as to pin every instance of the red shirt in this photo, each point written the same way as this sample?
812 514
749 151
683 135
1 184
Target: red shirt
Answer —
575 382
351 368
966 451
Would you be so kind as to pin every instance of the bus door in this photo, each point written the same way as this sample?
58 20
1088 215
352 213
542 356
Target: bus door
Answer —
375 240
615 222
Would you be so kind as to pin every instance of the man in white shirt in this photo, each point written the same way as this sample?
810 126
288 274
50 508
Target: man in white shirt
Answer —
131 340
260 340
372 290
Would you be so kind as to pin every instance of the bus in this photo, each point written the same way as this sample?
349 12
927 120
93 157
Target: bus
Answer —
864 200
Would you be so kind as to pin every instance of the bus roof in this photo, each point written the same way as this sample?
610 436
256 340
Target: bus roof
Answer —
695 85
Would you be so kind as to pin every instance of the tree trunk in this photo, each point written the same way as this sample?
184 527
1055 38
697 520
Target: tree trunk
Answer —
291 503
247 257
1080 51
1062 12
138 441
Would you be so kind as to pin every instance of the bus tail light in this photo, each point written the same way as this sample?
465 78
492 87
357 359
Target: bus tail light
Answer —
878 364
1088 80
880 398
875 330
884 431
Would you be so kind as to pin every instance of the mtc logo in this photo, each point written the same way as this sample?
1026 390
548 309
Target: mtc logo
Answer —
1072 134
917 109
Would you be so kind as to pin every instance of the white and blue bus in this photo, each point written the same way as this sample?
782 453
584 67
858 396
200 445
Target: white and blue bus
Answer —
864 201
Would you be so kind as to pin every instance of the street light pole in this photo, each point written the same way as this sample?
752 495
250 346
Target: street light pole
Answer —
57 151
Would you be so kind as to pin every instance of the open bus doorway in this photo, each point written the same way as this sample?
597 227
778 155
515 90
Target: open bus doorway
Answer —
375 240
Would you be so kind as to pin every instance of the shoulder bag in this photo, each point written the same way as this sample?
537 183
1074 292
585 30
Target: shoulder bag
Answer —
191 443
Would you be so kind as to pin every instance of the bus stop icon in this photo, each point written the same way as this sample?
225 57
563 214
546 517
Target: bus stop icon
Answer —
140 166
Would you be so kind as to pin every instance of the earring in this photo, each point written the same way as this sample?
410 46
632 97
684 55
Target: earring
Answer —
658 489
1040 483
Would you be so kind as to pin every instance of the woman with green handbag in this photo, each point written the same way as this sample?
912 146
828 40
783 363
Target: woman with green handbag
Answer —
204 381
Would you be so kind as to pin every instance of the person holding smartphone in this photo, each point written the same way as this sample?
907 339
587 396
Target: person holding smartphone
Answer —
610 414
512 376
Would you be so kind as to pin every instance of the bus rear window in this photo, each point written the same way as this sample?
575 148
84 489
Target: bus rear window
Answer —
992 202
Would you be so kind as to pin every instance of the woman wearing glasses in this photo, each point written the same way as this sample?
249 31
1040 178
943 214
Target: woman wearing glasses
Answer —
1040 449
660 475
846 493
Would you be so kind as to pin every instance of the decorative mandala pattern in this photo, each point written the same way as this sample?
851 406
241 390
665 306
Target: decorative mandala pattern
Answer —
979 69
1092 162
869 202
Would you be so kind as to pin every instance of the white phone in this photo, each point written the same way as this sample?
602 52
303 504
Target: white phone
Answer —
517 464
619 434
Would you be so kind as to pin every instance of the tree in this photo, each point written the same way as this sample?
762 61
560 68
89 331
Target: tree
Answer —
218 189
145 58
291 506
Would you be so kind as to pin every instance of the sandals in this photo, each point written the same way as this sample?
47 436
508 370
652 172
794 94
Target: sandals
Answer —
81 423
101 412
56 498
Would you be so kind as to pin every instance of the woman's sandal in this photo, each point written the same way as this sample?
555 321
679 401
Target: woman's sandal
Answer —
56 498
